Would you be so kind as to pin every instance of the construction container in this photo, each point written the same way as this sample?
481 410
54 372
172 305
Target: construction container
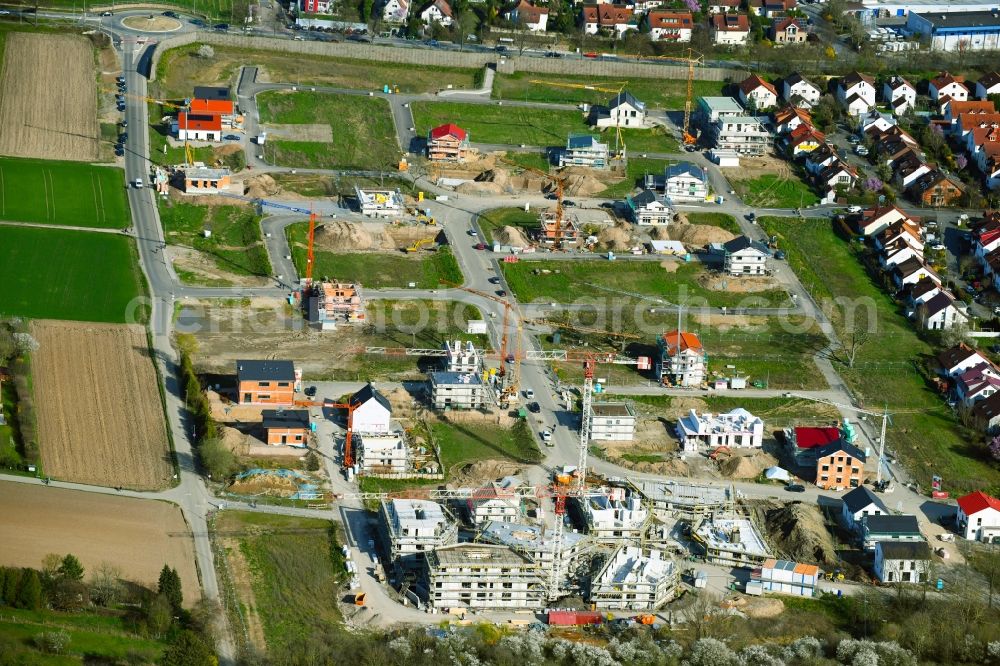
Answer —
574 618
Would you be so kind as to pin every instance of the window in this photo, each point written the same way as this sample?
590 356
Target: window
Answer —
263 384
283 384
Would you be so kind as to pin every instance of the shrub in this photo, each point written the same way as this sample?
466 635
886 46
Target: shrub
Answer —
53 642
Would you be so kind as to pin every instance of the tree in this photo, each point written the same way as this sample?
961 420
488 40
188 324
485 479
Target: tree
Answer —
170 587
11 583
70 568
961 161
158 615
206 51
216 458
312 461
7 345
105 584
29 592
66 594
465 25
52 642
50 566
188 649
858 338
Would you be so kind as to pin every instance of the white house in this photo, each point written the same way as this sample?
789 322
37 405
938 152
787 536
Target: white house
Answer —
800 91
612 421
978 517
757 94
383 453
988 85
956 360
673 27
859 503
535 19
646 209
615 18
945 85
681 359
876 220
730 29
624 110
198 127
902 562
899 94
371 411
736 429
873 120
897 255
856 93
745 257
941 313
438 11
685 181
496 502
396 11
976 384
747 135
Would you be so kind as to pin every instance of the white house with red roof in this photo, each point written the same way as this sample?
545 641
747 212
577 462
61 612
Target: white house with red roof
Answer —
614 18
437 11
730 29
535 19
876 220
199 126
978 517
945 85
681 360
447 143
756 93
667 26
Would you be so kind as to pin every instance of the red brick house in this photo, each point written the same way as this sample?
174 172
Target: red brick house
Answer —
265 382
286 427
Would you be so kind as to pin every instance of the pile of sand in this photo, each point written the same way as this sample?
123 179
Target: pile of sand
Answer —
796 532
482 472
479 187
661 233
746 284
512 236
746 465
234 440
261 185
614 238
582 185
698 235
757 607
340 235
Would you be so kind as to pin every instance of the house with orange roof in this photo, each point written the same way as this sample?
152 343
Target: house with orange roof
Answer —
784 577
198 127
535 19
790 118
447 143
978 517
946 85
803 140
665 26
756 93
614 18
730 29
788 31
953 109
680 360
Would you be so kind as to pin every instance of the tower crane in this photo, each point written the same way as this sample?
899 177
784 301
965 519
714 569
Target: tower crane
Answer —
559 228
188 155
691 60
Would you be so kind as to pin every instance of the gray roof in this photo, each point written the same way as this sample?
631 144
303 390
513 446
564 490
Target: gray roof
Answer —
685 168
282 418
212 92
443 377
581 141
625 97
641 199
840 445
261 370
891 525
741 243
530 537
861 497
369 393
938 302
961 19
905 550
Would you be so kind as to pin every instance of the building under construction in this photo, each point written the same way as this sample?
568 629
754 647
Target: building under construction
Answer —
686 500
379 203
555 231
333 303
615 516
566 562
634 579
413 528
477 575
731 541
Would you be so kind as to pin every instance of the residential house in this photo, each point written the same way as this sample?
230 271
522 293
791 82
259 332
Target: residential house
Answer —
396 11
911 271
730 29
953 109
839 465
899 94
972 121
988 84
685 181
978 517
265 382
859 503
785 577
624 110
756 94
555 230
738 429
936 188
770 8
198 126
316 6
535 19
902 562
897 255
437 11
646 209
612 421
788 31
874 119
902 232
803 140
412 528
680 359
458 390
713 109
613 18
985 414
977 384
220 106
483 576
615 516
804 442
447 143
818 160
790 118
986 237
745 257
953 361
495 502
584 150
666 26
799 91
561 558
889 528
382 454
941 313
634 579
838 175
332 303
922 291
286 427
204 180
945 85
371 411
856 93
908 168
745 135
723 6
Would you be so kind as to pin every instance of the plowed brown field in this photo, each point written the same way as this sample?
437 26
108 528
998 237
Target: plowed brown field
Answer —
48 98
140 536
100 418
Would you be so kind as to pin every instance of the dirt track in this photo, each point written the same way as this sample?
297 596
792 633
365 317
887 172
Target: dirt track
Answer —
140 536
48 98
100 418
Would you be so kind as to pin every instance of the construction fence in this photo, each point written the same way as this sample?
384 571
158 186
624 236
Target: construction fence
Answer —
606 67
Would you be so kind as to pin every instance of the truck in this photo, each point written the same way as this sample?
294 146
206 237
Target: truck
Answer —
261 138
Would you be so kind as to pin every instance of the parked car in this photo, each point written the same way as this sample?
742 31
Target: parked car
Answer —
546 436
231 137
124 123
937 246
852 139
310 391
106 13
480 246
120 78
197 23
854 209
795 488
779 254
170 14
860 150
501 293
751 217
969 289
494 280
137 183
221 27
529 394
568 204
119 151
534 408
473 232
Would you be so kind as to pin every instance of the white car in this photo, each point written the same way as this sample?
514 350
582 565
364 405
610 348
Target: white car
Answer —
546 436
937 246
854 209
138 183
529 394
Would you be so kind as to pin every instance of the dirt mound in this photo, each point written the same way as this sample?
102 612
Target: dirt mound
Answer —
698 234
261 185
614 238
661 233
511 236
234 440
746 465
479 187
484 471
342 235
796 531
583 185
759 607
747 284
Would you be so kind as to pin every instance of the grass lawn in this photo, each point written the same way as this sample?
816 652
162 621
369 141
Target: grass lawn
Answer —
220 9
654 140
658 93
94 278
511 125
635 170
773 191
538 161
925 434
491 220
319 185
94 638
462 443
296 572
377 270
721 220
363 135
9 455
182 68
235 245
420 324
62 193
776 413
570 281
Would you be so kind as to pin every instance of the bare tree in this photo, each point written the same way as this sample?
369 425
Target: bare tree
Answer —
105 584
854 342
206 51
699 615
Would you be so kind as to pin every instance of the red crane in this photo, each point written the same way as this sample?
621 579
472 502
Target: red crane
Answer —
348 448
309 251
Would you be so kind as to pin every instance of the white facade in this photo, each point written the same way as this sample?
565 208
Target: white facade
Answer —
785 577
745 257
457 390
614 517
978 517
968 31
634 579
382 454
744 134
804 93
476 575
653 212
395 11
542 547
901 562
856 94
372 413
759 97
941 314
612 421
899 94
952 89
685 182
379 203
859 503
437 12
414 527
461 358
736 429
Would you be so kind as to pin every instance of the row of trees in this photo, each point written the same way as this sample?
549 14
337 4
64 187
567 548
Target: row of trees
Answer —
16 346
215 458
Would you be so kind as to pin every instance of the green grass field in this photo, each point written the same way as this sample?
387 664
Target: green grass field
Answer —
656 93
568 281
58 274
491 220
771 191
217 9
377 270
236 245
296 571
721 220
62 193
463 443
925 433
509 125
363 135
9 455
636 169
538 161
94 638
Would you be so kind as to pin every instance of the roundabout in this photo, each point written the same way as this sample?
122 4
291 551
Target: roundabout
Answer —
152 23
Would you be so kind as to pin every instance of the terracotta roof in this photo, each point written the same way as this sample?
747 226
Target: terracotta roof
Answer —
945 79
787 113
803 133
782 25
223 106
730 23
451 129
811 438
204 122
753 82
957 107
978 501
606 15
442 6
529 12
662 19
687 340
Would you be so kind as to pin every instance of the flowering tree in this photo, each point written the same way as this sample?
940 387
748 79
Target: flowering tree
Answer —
693 5
873 184
961 161
995 447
